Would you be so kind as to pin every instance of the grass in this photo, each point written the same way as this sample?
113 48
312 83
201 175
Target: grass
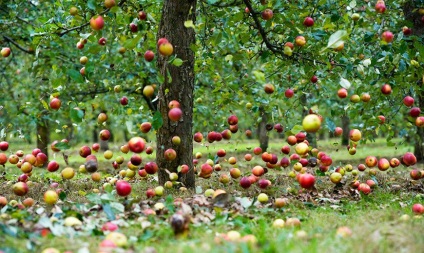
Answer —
375 220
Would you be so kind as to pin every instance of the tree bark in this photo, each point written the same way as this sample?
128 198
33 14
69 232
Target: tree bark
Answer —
43 136
262 132
178 85
346 129
410 13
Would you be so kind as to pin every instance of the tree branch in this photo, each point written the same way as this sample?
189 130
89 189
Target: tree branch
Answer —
7 38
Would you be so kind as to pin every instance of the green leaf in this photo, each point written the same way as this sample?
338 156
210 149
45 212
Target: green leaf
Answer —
177 62
132 43
91 4
62 146
189 24
157 120
108 211
94 198
336 39
62 195
75 75
76 114
296 129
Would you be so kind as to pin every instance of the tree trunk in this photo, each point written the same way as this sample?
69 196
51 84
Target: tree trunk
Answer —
262 132
346 129
410 13
43 136
178 85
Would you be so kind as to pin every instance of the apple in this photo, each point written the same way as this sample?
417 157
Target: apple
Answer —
55 103
151 168
342 93
104 135
166 49
311 123
102 41
285 150
149 55
314 79
387 36
306 181
292 222
263 198
406 31
418 209
198 137
97 23
355 16
279 128
159 190
205 170
221 153
267 14
175 114
336 177
355 135
83 60
51 197
364 188
380 6
394 162
300 41
124 101
415 112
308 22
4 145
110 3
365 97
145 127
170 154
123 188
408 101
136 159
13 159
226 134
302 148
234 128
338 131
355 98
245 182
386 89
85 151
133 27
235 173
109 226
419 121
409 159
73 11
291 140
232 120
269 88
52 166
383 164
136 144
95 147
142 15
289 93
5 51
117 238
67 173
415 174
80 45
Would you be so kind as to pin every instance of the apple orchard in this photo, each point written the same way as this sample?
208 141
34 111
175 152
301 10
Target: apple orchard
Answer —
135 108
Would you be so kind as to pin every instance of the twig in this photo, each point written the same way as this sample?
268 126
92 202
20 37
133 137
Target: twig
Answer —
7 38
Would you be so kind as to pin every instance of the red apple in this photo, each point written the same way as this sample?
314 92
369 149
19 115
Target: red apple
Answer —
355 135
415 112
245 182
149 55
383 164
364 188
306 181
174 104
409 159
142 15
97 23
123 188
386 89
133 28
418 209
104 135
387 36
102 41
342 93
406 31
300 41
289 93
408 101
232 120
267 14
4 145
314 79
145 127
124 100
136 159
55 103
170 154
308 22
136 144
151 168
338 131
175 114
198 137
380 6
269 88
394 162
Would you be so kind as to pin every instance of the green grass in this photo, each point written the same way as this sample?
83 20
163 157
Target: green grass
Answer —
374 219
